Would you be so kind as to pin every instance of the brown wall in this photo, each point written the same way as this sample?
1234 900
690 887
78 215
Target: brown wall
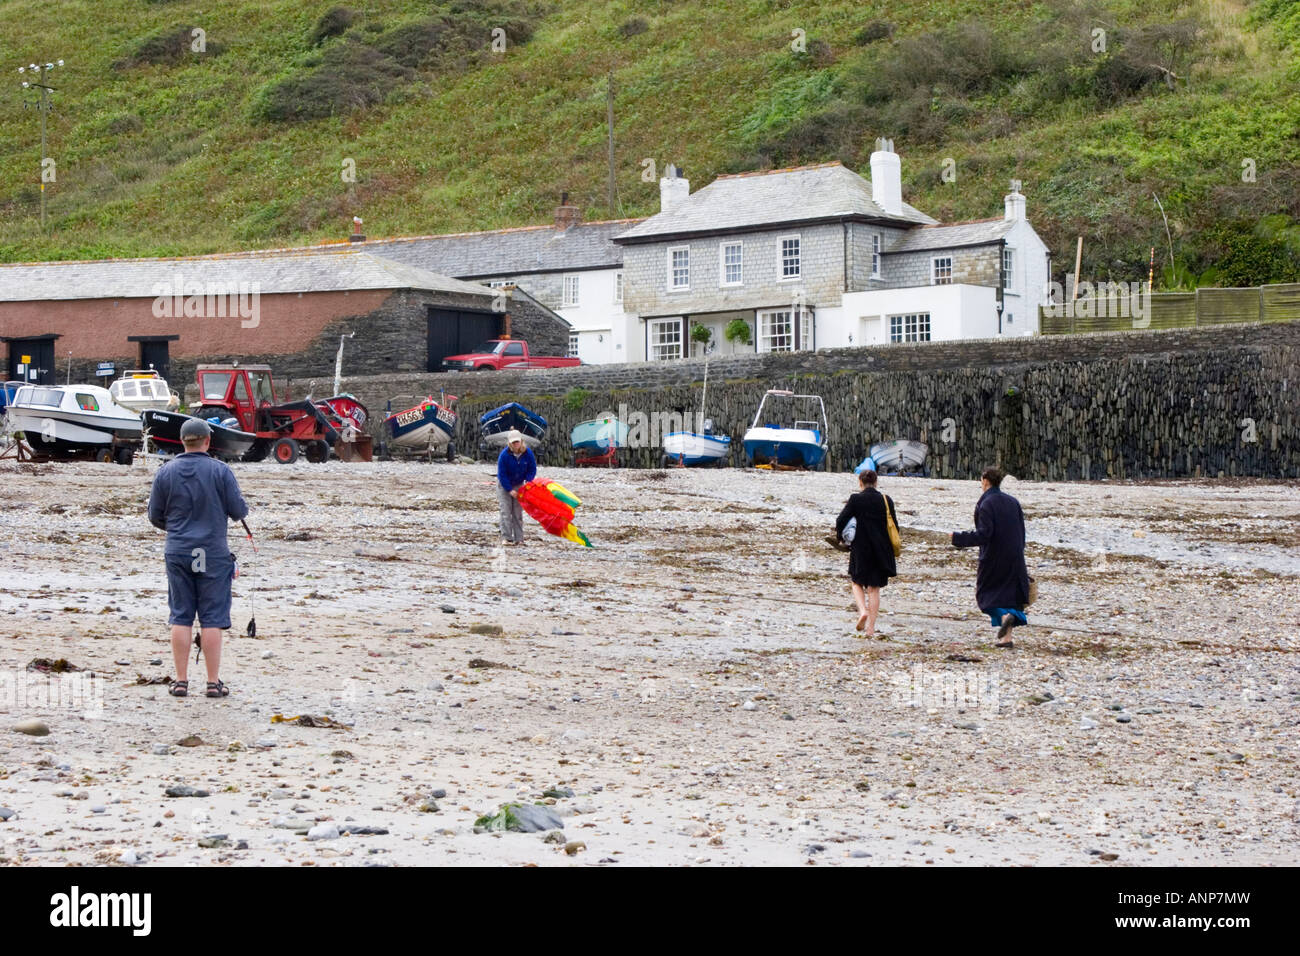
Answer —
98 328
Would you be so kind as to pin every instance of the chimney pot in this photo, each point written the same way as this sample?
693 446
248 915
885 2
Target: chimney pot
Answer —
674 188
887 178
566 215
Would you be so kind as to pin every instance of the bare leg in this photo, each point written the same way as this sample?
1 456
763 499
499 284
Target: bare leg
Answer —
873 608
859 598
181 644
211 642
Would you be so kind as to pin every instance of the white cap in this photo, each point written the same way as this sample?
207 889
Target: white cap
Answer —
513 436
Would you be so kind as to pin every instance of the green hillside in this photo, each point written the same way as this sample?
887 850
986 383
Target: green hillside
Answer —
162 150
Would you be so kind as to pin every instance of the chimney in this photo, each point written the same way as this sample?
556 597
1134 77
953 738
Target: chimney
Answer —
887 178
566 215
357 235
673 189
1015 203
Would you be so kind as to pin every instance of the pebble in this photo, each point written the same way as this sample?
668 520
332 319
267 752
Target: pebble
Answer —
1123 719
6 813
750 705
859 854
185 790
156 662
267 655
323 831
439 794
33 728
447 609
129 857
235 746
1087 724
574 847
264 742
98 808
827 708
161 750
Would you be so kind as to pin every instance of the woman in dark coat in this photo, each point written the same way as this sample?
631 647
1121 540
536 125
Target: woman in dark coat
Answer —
871 556
1002 581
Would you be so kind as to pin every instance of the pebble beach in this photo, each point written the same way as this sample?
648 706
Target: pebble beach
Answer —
689 691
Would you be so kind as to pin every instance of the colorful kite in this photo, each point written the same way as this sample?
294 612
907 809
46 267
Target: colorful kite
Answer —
551 504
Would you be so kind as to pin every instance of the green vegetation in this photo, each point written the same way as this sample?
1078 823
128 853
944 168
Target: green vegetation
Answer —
737 330
574 398
251 142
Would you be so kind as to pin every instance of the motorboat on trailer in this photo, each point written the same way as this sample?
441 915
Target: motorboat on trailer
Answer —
702 448
140 389
164 430
70 421
801 445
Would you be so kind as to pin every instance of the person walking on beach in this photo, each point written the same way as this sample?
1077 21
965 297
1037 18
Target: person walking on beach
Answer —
515 466
871 555
193 496
1002 581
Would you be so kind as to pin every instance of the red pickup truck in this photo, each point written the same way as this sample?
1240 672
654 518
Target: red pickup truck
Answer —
503 353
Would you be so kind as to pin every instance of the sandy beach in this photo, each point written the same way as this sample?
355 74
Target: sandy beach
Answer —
689 691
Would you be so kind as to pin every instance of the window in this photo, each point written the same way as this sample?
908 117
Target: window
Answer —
1007 260
790 258
570 290
498 283
262 390
573 345
513 348
215 385
241 390
618 286
875 255
87 403
910 328
44 396
731 259
679 268
776 330
665 339
941 270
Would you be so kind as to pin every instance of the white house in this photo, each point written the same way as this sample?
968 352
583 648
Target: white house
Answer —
816 257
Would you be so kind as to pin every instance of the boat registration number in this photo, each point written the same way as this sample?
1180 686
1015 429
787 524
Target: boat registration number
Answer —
411 417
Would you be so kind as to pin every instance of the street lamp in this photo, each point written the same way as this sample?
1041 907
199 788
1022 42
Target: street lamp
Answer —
43 105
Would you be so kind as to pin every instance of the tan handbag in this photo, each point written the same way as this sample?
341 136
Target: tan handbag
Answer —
894 539
1033 592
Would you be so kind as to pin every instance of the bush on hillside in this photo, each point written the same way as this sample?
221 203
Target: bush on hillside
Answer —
351 76
633 27
332 23
167 47
873 31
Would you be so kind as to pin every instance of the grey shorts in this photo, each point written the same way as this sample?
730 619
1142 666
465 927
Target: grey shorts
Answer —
202 594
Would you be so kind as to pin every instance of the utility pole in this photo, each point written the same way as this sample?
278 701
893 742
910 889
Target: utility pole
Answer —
43 106
609 122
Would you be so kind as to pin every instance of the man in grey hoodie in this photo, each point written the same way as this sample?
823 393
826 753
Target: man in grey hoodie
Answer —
193 497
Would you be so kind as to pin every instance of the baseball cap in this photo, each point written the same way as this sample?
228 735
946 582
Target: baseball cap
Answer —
195 428
513 436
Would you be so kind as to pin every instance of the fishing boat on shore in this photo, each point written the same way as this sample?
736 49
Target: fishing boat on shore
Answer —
496 424
141 389
695 449
164 430
74 421
427 426
800 445
597 442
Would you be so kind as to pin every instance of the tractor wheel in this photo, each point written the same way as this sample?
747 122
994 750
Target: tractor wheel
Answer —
257 451
285 451
212 411
316 451
104 456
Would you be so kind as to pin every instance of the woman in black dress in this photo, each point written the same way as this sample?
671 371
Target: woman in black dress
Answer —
871 556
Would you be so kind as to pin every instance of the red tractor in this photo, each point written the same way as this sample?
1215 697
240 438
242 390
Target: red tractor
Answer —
247 394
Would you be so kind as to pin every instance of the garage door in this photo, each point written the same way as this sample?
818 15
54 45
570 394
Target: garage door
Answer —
41 354
455 331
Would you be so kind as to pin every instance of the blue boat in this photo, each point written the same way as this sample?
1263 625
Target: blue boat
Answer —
7 392
599 434
494 425
694 449
800 445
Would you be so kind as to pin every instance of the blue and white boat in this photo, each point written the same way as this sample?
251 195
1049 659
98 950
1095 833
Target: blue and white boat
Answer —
696 449
428 425
799 445
496 424
599 435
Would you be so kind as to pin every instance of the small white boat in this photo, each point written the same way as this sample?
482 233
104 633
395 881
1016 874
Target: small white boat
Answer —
801 445
141 389
69 420
695 448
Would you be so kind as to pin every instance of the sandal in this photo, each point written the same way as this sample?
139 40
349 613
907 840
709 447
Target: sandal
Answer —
179 688
218 689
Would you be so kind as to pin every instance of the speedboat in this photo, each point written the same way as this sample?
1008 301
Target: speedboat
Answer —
164 428
427 425
69 420
799 445
140 389
899 457
496 424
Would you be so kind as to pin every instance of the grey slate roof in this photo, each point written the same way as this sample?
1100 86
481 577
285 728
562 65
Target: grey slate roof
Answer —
346 268
510 252
750 200
977 233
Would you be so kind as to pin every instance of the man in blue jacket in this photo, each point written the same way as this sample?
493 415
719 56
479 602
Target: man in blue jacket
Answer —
193 497
1002 581
515 466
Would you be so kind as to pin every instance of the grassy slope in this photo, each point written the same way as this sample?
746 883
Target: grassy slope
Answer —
495 145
